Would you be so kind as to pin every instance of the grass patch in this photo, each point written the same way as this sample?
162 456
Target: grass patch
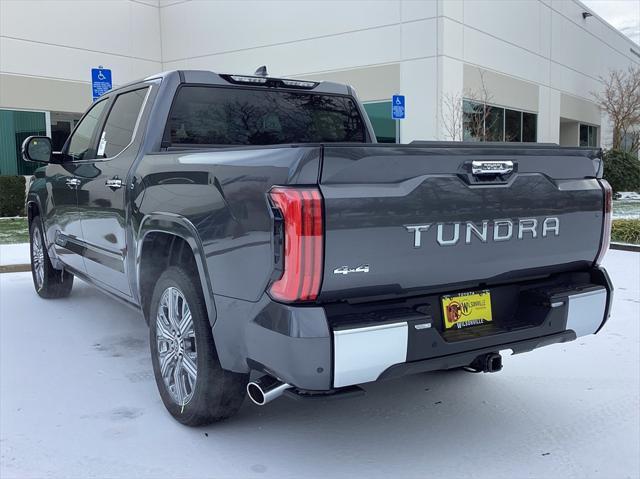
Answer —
14 230
626 231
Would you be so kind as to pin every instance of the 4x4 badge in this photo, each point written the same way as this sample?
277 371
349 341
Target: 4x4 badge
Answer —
363 268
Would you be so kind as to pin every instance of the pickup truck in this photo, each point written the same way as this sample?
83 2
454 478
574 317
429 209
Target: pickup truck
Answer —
274 248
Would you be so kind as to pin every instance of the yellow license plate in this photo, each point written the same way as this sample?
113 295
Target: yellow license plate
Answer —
466 309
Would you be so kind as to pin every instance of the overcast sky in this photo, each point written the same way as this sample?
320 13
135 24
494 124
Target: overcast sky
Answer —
622 14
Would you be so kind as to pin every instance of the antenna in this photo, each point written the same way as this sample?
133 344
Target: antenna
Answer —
261 71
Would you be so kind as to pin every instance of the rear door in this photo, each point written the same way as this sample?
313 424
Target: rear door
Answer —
409 218
103 189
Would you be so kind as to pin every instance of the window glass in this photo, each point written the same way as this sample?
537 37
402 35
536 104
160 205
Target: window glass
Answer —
80 147
513 125
529 127
383 125
473 122
588 135
238 116
494 124
122 119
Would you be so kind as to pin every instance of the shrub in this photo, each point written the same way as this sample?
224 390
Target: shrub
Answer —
12 195
625 231
622 170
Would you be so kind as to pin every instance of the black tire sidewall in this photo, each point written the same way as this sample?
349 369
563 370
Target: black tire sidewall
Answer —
208 391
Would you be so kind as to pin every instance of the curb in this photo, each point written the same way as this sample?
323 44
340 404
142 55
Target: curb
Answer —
15 268
625 247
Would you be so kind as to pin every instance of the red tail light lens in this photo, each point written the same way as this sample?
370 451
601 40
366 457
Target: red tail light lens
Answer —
301 210
606 229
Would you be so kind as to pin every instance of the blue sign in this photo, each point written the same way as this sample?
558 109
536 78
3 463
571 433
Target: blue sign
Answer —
100 81
397 107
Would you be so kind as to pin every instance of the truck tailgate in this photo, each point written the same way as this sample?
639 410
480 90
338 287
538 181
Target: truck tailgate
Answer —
402 219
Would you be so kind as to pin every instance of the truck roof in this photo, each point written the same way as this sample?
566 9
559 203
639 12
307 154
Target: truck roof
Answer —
212 78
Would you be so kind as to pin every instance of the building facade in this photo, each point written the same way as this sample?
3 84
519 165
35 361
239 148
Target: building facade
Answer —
495 70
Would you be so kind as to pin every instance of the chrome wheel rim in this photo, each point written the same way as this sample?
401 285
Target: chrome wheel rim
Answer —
176 342
37 257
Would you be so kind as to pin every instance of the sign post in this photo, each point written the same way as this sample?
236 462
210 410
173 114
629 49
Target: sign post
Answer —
398 112
100 81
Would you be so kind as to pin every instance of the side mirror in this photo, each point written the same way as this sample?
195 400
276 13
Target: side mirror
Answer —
37 148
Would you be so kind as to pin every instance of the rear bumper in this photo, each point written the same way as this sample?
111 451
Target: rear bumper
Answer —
314 349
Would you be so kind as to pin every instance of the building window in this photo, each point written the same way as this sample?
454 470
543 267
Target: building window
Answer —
588 135
495 123
384 127
15 127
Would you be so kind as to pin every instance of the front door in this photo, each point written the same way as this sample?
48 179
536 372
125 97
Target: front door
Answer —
103 190
62 222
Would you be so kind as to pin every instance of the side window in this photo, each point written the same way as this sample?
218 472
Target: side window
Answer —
122 119
80 143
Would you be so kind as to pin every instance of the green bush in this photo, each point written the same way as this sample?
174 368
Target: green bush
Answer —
12 195
625 231
622 170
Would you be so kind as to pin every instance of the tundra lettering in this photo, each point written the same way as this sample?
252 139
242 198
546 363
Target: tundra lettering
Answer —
525 225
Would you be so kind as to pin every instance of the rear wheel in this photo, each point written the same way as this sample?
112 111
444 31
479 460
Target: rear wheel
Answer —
193 386
48 281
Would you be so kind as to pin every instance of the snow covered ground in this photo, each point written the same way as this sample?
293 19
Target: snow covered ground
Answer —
11 254
77 399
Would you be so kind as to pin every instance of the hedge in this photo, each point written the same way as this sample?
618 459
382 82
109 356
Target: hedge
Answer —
12 195
622 171
626 231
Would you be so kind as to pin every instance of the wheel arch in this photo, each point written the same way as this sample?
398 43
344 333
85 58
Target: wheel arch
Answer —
167 238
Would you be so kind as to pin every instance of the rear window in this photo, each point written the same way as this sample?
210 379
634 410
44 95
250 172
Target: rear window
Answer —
237 116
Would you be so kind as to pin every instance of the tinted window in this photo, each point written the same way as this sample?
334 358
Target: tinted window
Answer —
80 147
529 127
236 116
513 125
118 130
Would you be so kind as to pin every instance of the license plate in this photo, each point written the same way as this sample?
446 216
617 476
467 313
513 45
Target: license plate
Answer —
466 309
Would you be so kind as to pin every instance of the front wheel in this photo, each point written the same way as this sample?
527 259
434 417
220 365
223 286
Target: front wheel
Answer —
193 386
48 281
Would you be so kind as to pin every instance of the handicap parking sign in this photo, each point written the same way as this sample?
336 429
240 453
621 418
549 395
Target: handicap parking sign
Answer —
397 107
100 81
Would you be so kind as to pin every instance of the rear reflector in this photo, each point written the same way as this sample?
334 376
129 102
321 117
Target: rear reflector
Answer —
301 210
606 228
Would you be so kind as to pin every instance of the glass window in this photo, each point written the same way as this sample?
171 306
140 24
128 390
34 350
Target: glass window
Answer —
529 127
239 116
494 124
473 121
588 135
80 147
122 119
513 125
384 126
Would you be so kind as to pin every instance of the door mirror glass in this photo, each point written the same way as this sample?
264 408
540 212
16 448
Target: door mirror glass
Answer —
37 148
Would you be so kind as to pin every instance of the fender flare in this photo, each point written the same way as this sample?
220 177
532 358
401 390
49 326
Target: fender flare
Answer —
173 224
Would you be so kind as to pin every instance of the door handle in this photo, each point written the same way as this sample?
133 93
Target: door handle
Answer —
73 183
114 183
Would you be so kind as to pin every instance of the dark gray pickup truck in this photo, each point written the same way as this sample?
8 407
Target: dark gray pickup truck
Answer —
264 235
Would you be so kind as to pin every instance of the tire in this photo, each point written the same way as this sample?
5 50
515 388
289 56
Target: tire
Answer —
49 282
194 398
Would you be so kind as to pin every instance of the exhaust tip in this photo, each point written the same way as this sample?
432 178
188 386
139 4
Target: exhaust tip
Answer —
266 389
255 393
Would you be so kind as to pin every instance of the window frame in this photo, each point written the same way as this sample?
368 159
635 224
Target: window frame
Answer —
592 132
166 135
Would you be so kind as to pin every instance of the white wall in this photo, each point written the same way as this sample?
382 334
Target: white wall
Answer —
56 42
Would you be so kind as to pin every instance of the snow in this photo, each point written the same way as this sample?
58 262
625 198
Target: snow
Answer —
77 399
11 254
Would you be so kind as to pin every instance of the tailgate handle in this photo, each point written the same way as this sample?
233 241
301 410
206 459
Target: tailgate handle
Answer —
491 167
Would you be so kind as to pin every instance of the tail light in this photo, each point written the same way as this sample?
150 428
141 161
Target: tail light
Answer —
301 210
606 229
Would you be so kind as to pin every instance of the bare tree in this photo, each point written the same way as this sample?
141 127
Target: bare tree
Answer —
478 120
620 100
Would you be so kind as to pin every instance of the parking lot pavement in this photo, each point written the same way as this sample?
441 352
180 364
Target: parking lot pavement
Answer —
78 399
